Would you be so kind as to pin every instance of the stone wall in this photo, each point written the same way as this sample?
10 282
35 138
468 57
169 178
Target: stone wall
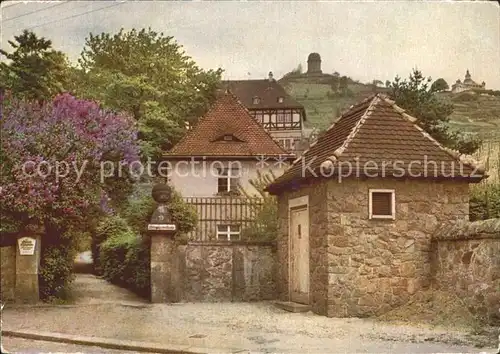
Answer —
363 267
466 262
376 265
228 271
8 272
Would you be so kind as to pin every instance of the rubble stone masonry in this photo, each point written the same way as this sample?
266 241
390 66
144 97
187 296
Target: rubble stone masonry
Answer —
362 267
466 262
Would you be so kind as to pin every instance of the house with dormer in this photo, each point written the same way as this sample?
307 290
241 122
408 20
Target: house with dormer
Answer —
222 153
270 105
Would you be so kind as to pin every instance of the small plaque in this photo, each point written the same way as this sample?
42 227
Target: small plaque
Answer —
26 246
162 227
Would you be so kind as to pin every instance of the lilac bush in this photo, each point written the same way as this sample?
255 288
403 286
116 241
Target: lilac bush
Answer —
51 157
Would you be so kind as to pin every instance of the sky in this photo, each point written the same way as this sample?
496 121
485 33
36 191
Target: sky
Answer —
363 40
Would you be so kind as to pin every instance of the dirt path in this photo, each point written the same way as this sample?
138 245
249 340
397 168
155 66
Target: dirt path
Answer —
88 289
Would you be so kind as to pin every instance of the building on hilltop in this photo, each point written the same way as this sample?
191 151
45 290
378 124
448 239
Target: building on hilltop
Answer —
314 64
468 84
268 102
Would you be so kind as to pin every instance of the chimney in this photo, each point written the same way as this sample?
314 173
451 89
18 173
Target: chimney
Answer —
271 76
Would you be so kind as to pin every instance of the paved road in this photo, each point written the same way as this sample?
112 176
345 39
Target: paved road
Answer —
19 345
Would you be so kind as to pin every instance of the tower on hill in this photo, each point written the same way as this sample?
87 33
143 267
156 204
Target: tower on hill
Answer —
314 64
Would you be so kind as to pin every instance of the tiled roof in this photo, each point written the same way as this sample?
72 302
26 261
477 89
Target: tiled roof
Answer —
268 91
378 131
227 117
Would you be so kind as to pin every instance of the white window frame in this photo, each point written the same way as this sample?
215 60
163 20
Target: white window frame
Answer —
393 204
283 116
227 232
229 176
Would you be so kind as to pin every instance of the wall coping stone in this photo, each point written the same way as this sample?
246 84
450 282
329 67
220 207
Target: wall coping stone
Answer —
466 230
232 243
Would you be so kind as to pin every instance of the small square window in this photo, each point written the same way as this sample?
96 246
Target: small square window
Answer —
382 204
228 232
256 100
280 99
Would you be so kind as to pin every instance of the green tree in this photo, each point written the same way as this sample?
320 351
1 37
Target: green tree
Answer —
148 75
34 71
343 83
418 99
439 85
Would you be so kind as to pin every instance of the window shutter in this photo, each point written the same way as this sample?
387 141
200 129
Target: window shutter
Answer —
381 203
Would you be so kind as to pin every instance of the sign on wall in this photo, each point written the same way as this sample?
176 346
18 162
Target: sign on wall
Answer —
26 246
161 227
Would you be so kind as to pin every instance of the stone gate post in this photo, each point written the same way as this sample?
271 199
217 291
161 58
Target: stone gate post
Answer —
166 284
28 249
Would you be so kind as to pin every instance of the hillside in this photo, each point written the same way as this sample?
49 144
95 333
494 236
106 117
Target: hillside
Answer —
475 113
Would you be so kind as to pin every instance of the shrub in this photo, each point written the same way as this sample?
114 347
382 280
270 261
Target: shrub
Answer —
484 202
183 214
139 210
56 265
125 261
265 224
108 227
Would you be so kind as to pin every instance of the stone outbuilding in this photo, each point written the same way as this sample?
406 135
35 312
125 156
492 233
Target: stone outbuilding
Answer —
357 211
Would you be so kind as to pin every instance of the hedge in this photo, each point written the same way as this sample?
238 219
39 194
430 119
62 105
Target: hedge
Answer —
125 261
108 227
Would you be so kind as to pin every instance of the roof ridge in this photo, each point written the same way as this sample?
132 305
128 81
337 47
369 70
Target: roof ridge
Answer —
338 152
333 124
457 155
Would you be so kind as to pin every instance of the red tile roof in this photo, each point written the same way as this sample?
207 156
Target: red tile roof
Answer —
377 132
227 117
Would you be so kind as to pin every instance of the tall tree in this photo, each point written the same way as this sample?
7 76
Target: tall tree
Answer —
419 100
148 75
35 70
439 85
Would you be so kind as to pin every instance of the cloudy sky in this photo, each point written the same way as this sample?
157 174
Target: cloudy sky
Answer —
364 40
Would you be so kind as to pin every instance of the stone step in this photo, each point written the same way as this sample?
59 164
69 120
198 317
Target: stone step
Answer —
292 306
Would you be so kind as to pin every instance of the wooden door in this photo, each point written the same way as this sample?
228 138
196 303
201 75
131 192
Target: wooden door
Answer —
299 255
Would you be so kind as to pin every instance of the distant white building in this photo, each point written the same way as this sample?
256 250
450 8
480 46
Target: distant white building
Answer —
468 84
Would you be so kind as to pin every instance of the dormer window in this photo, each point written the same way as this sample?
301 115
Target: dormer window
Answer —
227 137
256 100
280 99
